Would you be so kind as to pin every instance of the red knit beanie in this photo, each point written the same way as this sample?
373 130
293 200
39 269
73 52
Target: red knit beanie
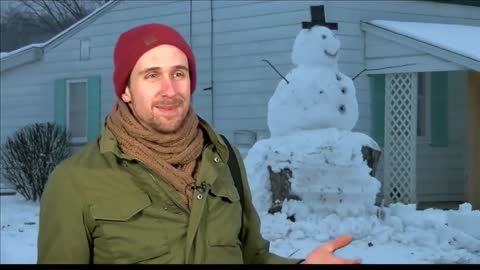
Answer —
132 44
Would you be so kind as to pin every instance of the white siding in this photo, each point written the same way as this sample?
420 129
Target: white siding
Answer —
25 98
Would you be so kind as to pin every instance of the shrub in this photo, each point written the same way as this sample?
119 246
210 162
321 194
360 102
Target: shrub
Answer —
30 155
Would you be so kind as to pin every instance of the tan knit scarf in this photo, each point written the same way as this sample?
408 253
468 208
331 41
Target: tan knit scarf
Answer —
173 156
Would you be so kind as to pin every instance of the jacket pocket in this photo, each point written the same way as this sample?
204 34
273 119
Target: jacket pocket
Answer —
225 190
224 207
127 231
224 224
120 209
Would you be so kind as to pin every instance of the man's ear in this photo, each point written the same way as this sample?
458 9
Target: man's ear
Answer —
127 96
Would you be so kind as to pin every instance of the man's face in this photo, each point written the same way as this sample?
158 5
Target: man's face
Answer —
159 90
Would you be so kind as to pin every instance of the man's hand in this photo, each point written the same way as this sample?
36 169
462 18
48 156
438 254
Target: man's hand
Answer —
324 253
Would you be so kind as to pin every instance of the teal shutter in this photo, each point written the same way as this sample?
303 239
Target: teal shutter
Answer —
60 106
439 109
93 107
377 107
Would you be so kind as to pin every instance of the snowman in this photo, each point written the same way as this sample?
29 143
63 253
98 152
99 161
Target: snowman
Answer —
316 91
310 117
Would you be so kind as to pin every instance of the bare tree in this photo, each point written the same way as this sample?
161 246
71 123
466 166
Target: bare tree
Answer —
18 29
33 21
56 15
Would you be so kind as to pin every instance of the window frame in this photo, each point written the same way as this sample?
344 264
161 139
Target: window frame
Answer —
76 140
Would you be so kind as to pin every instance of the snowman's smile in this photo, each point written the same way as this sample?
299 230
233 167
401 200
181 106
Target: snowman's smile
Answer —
332 55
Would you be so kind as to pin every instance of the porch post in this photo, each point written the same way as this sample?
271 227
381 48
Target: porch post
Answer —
400 138
473 149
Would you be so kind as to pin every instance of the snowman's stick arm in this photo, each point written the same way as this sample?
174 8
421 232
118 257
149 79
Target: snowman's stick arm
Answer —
379 69
268 62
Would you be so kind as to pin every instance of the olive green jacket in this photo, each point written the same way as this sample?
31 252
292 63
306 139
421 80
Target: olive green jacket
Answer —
100 206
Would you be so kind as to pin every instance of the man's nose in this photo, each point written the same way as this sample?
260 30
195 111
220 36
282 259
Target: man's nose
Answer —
167 87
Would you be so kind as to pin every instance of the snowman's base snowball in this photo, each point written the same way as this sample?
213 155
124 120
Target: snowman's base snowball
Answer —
328 170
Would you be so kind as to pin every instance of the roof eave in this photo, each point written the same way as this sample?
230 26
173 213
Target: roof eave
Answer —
423 46
23 57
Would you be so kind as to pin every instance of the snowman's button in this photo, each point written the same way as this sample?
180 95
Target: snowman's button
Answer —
344 90
342 108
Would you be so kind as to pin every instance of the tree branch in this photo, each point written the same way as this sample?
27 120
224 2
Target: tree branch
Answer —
36 14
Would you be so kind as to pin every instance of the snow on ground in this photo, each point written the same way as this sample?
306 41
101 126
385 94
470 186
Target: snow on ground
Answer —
19 230
413 237
406 236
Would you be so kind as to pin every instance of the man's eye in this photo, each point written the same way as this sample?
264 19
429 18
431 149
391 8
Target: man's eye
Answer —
152 75
179 74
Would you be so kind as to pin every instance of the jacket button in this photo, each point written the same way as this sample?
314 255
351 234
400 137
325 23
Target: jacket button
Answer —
216 159
199 196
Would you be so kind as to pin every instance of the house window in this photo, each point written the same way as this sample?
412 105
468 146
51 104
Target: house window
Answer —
423 85
76 101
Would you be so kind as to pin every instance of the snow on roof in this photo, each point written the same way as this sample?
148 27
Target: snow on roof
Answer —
460 39
24 48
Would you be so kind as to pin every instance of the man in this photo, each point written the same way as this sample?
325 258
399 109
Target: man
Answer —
155 186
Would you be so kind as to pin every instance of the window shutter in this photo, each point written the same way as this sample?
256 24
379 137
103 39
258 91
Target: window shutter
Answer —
93 107
439 109
60 103
377 107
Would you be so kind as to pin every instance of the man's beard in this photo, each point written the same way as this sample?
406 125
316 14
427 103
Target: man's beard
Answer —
161 128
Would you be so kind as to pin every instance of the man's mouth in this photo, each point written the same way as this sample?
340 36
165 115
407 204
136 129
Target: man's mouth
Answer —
332 55
167 108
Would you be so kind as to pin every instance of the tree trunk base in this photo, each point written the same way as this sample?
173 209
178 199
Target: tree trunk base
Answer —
281 189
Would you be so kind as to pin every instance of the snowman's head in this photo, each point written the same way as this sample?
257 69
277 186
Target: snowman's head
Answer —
316 46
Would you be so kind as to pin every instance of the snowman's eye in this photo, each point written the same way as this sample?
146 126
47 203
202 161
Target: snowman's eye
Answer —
324 36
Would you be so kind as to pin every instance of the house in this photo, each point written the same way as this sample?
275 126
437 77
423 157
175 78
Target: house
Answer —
418 96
